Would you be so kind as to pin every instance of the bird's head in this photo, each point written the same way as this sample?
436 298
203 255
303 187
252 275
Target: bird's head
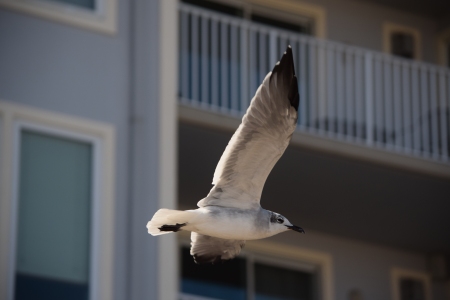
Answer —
278 224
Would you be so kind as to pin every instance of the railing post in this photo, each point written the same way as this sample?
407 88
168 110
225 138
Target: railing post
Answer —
244 69
273 47
368 78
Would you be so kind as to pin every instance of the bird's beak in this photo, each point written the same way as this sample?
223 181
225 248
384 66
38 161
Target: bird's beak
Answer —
295 228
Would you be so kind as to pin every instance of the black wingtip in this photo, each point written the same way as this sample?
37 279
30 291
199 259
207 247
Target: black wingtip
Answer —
285 70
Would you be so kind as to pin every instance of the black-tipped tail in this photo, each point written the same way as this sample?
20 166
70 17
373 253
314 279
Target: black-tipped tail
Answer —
285 72
172 228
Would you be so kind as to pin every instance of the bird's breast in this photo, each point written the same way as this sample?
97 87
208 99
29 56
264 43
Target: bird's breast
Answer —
229 223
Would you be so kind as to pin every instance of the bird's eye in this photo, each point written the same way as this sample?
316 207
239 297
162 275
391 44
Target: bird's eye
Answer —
280 220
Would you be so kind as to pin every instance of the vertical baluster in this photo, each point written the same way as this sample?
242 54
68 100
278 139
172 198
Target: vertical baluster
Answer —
443 115
321 104
330 115
397 107
416 128
378 103
388 104
184 56
282 46
194 58
262 56
406 100
424 97
214 64
245 97
312 86
234 71
302 84
359 96
273 55
434 114
349 95
205 84
253 63
368 65
340 105
224 88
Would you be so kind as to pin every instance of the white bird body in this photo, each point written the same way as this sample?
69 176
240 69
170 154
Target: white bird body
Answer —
231 223
231 213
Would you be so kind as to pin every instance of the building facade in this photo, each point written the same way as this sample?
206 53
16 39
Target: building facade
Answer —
112 109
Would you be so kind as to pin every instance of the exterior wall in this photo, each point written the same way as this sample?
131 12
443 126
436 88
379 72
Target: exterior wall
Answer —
66 69
360 23
357 265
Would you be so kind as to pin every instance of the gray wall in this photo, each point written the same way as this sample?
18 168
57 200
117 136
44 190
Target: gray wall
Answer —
360 23
65 69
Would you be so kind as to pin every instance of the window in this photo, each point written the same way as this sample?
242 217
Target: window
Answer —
98 15
402 44
259 14
225 281
57 174
53 217
410 285
444 47
250 276
401 41
86 4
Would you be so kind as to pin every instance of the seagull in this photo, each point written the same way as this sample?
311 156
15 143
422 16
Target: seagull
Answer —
231 213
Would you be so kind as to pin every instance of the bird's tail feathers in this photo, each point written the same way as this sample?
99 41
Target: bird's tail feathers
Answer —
167 221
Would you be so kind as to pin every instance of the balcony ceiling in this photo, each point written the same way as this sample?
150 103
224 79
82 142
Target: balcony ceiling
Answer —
430 8
338 196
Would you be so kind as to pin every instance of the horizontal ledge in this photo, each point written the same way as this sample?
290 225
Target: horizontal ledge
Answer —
228 122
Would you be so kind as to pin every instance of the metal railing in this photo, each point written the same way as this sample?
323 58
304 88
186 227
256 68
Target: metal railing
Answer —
347 93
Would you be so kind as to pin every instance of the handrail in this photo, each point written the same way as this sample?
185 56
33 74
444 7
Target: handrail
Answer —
346 92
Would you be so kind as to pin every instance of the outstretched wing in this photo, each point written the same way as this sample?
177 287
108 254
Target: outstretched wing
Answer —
208 249
260 140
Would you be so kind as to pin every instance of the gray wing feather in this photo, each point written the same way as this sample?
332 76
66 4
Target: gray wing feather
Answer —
208 249
259 142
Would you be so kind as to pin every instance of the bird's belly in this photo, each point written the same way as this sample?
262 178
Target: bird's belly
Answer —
227 224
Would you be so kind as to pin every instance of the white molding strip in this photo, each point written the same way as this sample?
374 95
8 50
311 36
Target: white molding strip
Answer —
168 123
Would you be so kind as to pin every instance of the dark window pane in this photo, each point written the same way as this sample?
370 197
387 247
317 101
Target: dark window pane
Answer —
275 283
412 289
448 54
225 281
53 235
403 45
219 7
281 24
87 4
30 287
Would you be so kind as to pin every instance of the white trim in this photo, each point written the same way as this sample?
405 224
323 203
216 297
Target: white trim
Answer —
443 41
297 258
167 144
102 19
101 136
389 28
399 273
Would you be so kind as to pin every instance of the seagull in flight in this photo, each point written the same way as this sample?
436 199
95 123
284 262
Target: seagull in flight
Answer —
231 213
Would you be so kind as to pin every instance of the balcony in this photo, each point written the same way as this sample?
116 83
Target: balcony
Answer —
350 97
